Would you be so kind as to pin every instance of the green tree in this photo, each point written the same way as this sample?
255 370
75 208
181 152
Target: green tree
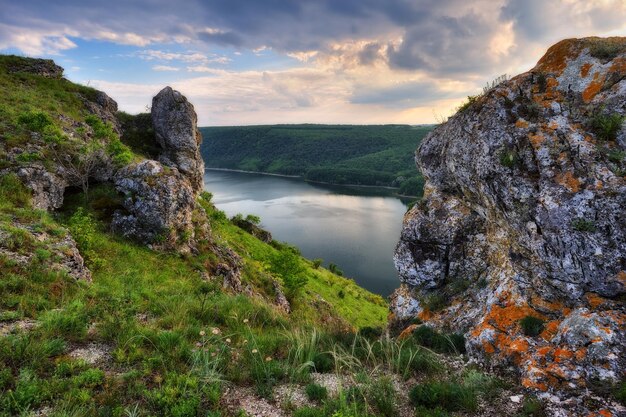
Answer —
287 266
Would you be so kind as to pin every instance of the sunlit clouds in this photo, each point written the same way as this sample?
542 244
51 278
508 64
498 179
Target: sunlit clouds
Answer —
258 62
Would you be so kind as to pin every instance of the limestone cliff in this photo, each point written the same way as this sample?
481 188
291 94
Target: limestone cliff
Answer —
523 215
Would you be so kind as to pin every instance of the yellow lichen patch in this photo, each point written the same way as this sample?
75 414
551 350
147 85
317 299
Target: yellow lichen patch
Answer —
536 140
569 181
407 332
594 87
584 70
521 124
594 300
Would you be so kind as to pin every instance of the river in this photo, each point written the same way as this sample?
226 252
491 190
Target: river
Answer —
357 229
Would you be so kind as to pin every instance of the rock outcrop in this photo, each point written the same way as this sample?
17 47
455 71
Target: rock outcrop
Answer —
159 202
175 127
523 215
160 196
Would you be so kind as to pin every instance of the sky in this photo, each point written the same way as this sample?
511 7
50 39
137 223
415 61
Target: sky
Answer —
243 62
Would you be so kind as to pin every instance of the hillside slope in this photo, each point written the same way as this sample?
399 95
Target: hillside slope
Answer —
338 154
125 292
520 240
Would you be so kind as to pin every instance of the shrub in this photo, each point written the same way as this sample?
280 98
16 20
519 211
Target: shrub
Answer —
606 49
35 120
317 262
382 394
341 294
12 190
439 342
542 82
120 153
508 158
532 407
316 392
583 225
434 301
616 156
324 362
606 127
531 326
287 265
451 396
335 269
468 103
620 392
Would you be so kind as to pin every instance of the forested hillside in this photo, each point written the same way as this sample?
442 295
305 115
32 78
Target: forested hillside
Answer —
340 154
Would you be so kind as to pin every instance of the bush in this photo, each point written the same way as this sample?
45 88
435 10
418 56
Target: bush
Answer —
620 392
287 265
450 396
606 49
468 103
508 158
606 127
583 225
531 326
382 394
532 407
317 262
439 342
434 301
316 392
335 269
324 362
35 120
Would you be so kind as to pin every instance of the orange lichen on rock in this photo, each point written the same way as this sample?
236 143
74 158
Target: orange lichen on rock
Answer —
594 300
569 181
504 318
584 70
521 123
536 139
594 87
528 383
407 332
555 59
561 355
619 66
550 329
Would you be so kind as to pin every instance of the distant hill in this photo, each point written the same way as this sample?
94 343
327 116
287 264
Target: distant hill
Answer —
340 154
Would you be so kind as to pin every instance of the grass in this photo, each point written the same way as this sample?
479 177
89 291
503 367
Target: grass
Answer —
316 392
606 126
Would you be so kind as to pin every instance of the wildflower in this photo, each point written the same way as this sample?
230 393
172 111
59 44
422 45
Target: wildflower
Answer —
202 332
214 354
245 320
228 340
254 351
268 359
198 344
245 341
215 330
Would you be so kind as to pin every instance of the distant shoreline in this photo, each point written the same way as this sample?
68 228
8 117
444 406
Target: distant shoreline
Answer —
312 182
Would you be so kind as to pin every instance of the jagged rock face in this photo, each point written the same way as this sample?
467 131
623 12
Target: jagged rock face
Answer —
43 67
175 126
159 202
523 214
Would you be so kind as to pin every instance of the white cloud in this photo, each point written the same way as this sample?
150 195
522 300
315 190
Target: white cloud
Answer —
165 68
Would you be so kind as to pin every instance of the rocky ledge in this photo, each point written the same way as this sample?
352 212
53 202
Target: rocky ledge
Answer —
519 241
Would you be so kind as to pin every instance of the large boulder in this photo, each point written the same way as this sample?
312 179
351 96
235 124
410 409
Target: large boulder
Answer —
175 127
523 215
158 202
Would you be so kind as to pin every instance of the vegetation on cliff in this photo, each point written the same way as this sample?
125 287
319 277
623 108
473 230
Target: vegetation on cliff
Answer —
338 154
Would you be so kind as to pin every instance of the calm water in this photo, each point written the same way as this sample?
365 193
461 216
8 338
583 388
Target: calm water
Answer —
355 229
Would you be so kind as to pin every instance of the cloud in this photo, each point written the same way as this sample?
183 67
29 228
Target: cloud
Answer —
390 59
165 68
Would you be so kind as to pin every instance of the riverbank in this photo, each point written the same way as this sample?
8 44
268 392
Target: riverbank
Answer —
373 187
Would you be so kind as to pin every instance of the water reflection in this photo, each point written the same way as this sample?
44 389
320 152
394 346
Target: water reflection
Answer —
357 229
